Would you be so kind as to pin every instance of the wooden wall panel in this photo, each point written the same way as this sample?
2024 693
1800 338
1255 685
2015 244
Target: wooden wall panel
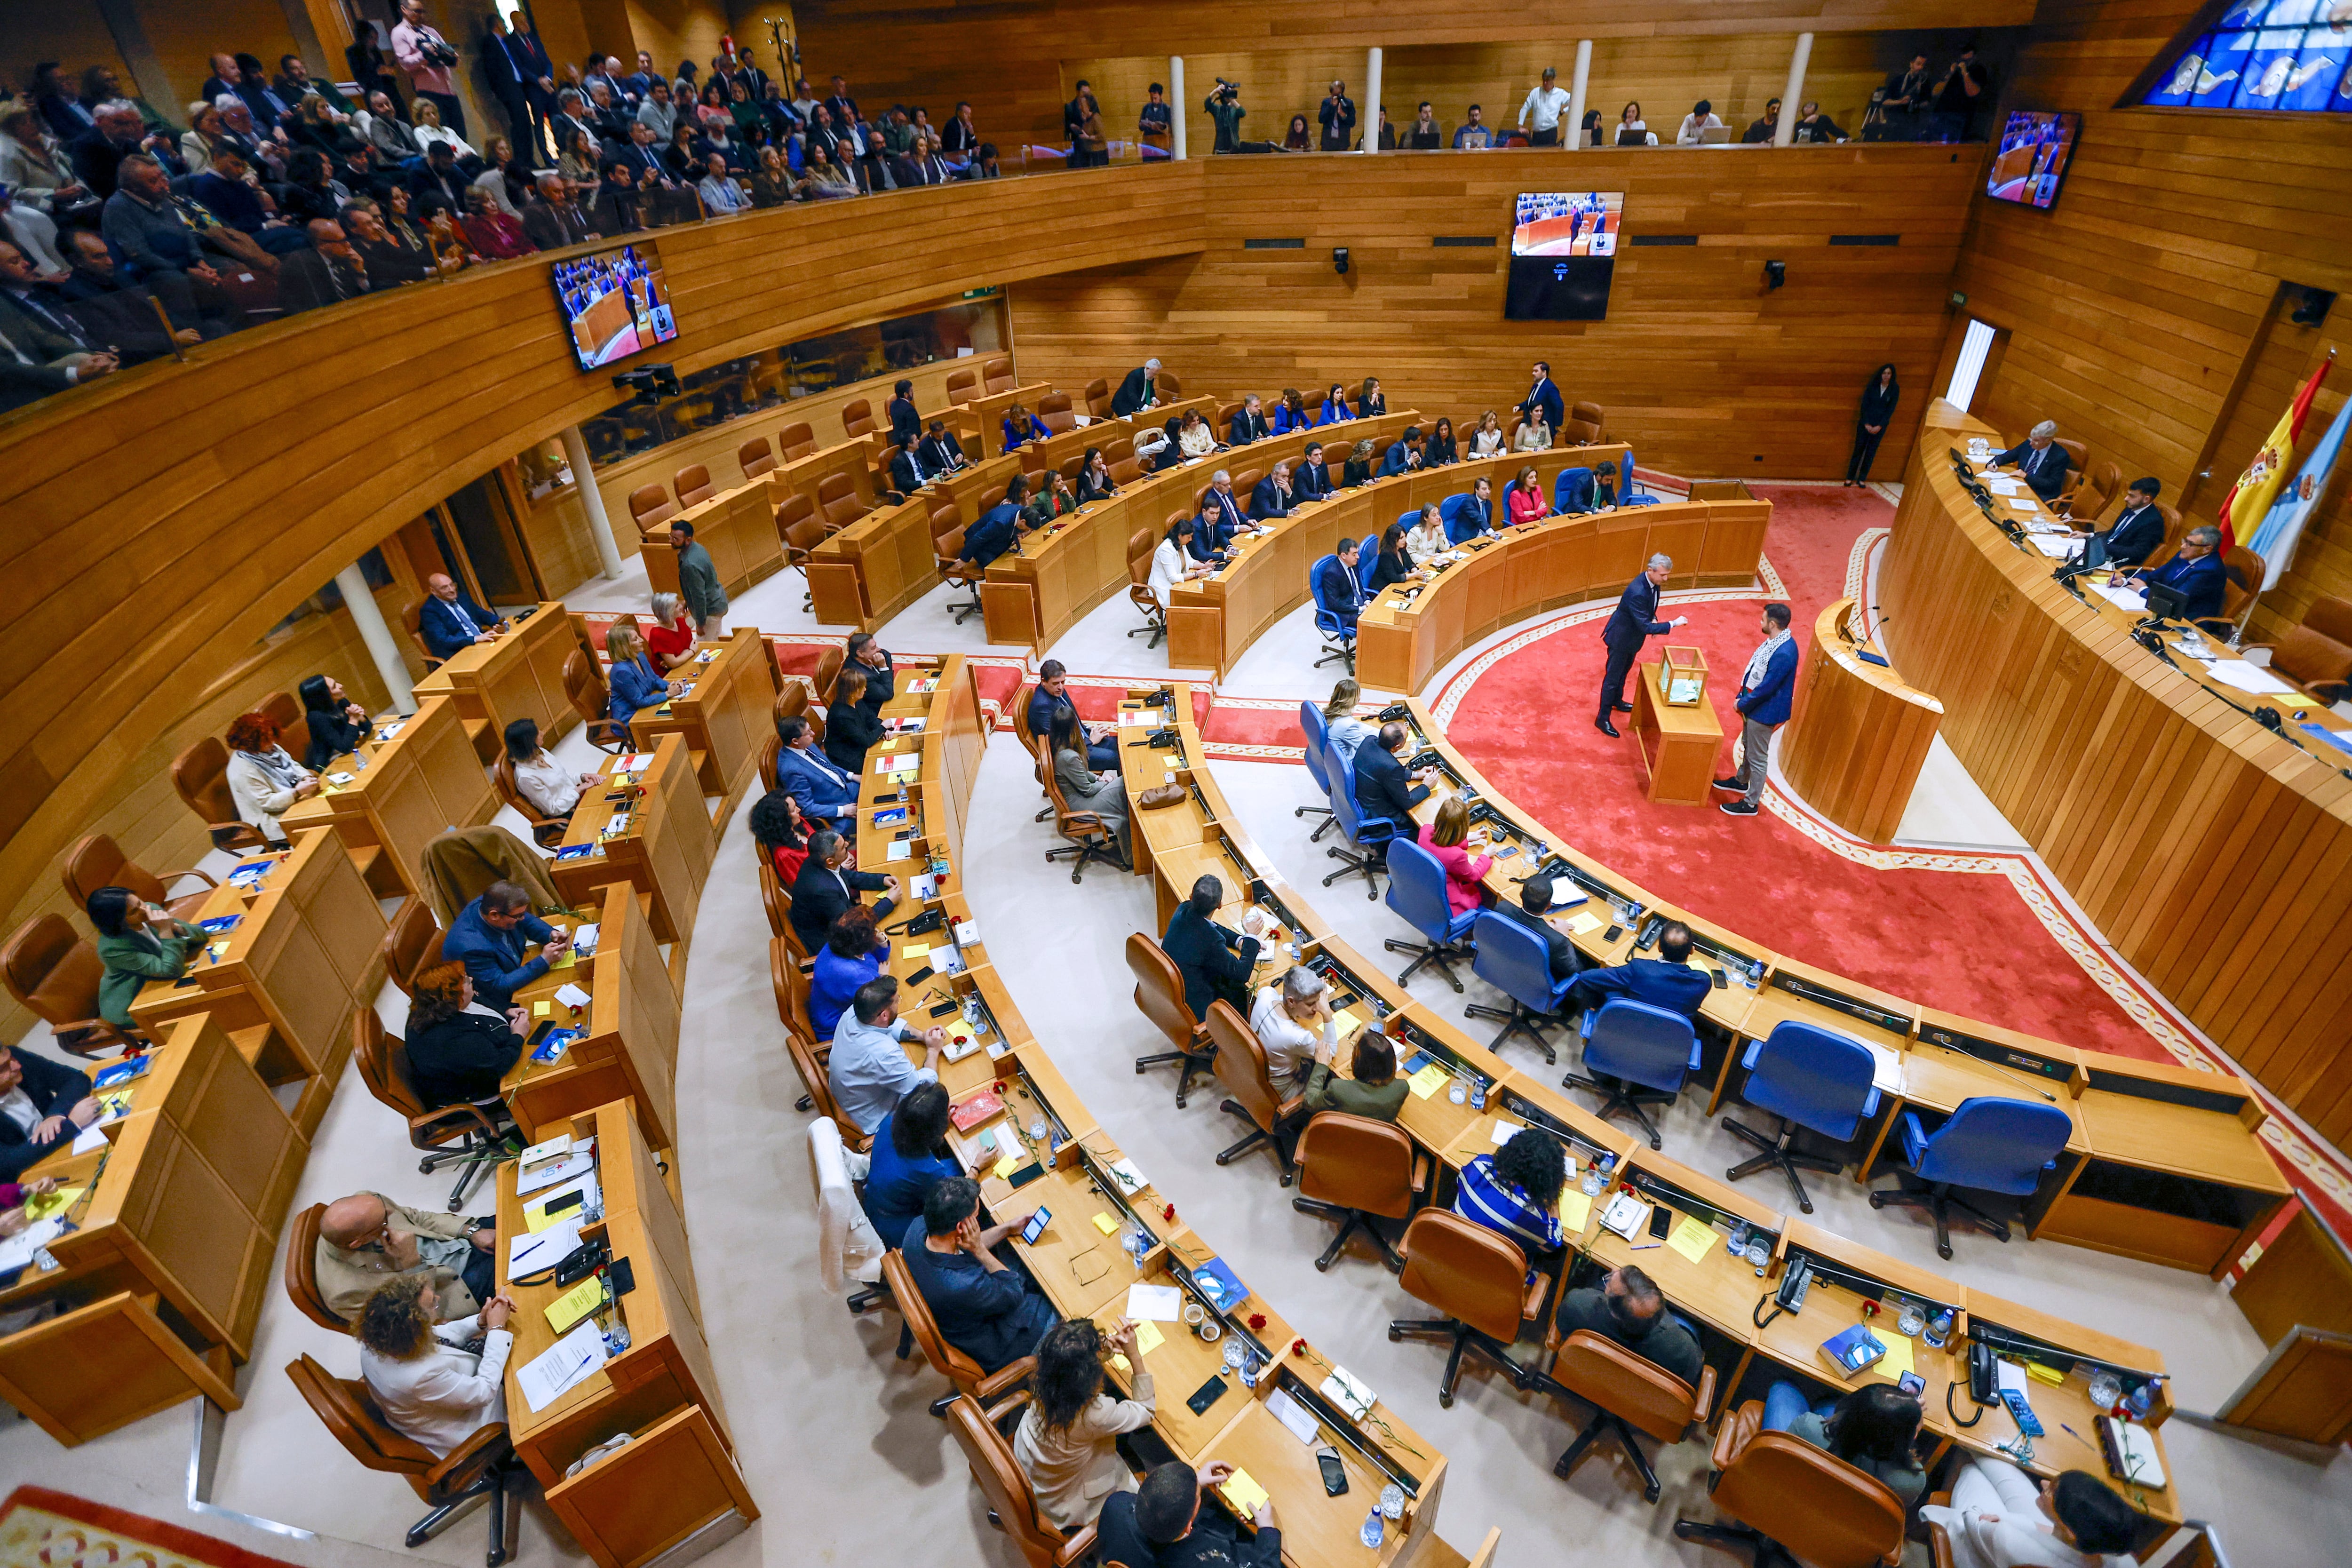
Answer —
1699 368
2134 304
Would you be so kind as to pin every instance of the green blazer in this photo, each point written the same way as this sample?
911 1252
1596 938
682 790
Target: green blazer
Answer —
697 582
130 962
1327 1090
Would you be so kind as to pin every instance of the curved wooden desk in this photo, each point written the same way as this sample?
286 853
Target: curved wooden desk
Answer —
1407 634
2210 851
1857 736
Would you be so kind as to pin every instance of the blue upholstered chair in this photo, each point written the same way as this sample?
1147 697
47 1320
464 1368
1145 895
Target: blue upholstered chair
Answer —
1513 960
1417 891
1812 1078
1370 835
1318 736
1990 1145
1338 630
1449 512
1572 491
1629 491
1639 1047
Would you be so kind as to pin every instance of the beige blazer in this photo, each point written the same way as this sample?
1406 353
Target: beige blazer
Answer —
346 1279
1073 1471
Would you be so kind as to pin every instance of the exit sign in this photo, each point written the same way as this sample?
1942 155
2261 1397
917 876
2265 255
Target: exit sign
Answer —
980 293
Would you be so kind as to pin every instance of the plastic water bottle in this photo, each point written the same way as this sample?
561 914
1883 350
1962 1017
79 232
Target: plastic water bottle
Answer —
1373 1531
1477 1094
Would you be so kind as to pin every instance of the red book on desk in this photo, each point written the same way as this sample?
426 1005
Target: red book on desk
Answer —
969 1113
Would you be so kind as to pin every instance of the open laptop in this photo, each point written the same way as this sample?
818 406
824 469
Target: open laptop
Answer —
1713 135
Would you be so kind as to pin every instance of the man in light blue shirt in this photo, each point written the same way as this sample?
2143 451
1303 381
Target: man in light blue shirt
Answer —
869 1070
721 195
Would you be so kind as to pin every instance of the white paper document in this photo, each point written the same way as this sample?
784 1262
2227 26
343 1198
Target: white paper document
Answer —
2248 677
571 995
1155 1303
899 849
583 941
536 1249
2123 598
1288 1411
89 1138
1885 1069
2024 504
2057 546
567 1362
922 888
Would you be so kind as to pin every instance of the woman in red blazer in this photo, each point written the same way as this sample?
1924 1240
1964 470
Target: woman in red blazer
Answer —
1445 838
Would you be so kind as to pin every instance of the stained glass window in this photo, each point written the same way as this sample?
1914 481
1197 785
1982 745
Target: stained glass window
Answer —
2290 55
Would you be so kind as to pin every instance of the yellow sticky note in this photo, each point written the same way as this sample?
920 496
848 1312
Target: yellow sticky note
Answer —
1692 1237
1428 1080
1575 1208
1120 1361
1147 1337
566 961
1242 1490
575 1304
541 1009
49 1204
1583 922
2039 1374
1106 1225
915 950
2294 699
1347 1023
1898 1359
217 948
1010 1163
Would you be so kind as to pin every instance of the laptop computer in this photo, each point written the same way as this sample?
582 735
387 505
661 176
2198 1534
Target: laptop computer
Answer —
1714 135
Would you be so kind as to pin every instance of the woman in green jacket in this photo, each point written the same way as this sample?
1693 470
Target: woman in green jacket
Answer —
1375 1090
137 943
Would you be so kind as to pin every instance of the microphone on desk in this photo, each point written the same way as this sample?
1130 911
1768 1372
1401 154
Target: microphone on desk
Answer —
1996 1067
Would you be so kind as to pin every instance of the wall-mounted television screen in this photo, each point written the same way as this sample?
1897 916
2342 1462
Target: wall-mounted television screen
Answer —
1563 254
2036 146
614 302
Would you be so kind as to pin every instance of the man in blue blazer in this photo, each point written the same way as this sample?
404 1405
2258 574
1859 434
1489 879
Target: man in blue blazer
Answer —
61 1108
1338 587
1766 687
1545 394
1384 787
2196 572
2039 460
1666 981
994 531
1311 480
1633 622
1471 515
1405 454
1220 513
1274 495
488 937
1248 423
450 622
826 792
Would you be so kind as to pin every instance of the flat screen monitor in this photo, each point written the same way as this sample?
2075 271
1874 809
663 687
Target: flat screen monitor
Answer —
2036 147
614 303
1563 255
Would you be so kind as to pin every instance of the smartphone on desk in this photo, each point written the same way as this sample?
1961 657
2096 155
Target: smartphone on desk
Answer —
1036 1225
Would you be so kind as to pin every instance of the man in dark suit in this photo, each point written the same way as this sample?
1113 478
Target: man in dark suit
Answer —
1048 702
2133 537
1531 912
1222 511
922 165
1274 494
1249 423
911 471
827 887
2196 571
1545 394
56 1096
665 200
1139 391
994 531
450 622
42 346
1633 622
826 792
942 453
438 186
1666 981
1212 958
1311 480
2039 460
1768 688
488 937
1383 788
1337 585
328 273
556 219
881 675
1403 456
1472 514
522 78
98 152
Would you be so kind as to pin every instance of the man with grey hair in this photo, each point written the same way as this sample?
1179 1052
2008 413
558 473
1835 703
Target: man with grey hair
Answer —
2041 461
1633 622
114 134
555 220
1139 392
1293 1021
2195 571
156 244
1221 513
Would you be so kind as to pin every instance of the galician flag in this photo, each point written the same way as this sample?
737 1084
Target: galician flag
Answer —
2282 528
2249 499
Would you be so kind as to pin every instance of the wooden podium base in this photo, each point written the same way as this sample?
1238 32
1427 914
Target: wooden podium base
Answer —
1678 746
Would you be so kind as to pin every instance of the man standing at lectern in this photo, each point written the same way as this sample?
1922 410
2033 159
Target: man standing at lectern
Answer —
1633 622
1766 689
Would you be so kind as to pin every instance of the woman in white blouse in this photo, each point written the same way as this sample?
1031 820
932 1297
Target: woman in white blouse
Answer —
1067 1441
1632 130
428 129
1701 118
428 1388
263 778
1535 435
493 177
1196 437
1339 720
1999 1517
553 789
1427 539
1171 561
1292 1021
1487 441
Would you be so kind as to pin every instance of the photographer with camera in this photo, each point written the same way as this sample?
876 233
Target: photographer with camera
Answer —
1223 105
1963 88
429 59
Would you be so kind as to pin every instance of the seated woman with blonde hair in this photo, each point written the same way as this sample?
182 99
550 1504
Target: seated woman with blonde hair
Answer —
635 682
428 1387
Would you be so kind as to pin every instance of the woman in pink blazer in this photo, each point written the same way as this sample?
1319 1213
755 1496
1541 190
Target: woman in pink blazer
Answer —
1445 838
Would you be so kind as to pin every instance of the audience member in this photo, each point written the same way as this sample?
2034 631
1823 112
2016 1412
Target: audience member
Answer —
1872 1428
828 888
1761 129
1539 115
1701 119
146 230
556 219
1472 134
420 49
50 348
853 952
721 196
422 1381
979 1306
1632 130
489 936
1516 1190
329 271
1167 1523
33 163
1627 1307
909 1155
868 1070
1423 135
826 794
367 1237
390 262
459 1050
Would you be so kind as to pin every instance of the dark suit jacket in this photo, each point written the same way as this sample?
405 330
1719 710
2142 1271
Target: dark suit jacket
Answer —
2045 471
308 280
909 473
881 684
1677 987
438 624
514 65
461 1058
1635 617
1342 588
992 534
1668 1345
551 228
850 729
2204 580
1266 501
942 456
1386 569
906 425
820 897
2135 536
1380 786
1310 481
54 1089
1546 397
1205 953
1561 951
1132 394
1247 427
1771 698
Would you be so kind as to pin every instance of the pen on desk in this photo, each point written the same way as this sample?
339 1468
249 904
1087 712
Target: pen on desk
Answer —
2071 1432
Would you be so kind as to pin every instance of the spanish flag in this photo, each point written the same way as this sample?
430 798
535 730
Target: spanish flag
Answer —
2249 500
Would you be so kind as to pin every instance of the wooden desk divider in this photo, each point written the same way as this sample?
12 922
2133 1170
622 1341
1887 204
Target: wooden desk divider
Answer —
518 676
1858 735
401 794
628 1050
103 1365
664 851
725 719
